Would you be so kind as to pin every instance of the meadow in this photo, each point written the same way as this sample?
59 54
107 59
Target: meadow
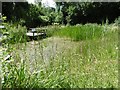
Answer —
80 56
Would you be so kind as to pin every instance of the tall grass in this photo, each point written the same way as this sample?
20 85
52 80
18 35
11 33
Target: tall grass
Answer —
81 32
89 63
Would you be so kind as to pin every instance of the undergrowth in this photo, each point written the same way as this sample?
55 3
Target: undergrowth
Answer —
89 63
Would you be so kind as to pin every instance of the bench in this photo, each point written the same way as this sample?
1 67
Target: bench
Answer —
36 32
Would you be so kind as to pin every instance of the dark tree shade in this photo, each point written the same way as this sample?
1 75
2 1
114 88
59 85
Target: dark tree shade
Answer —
66 13
15 10
88 12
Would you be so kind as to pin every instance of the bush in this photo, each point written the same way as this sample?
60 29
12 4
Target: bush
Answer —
117 21
16 34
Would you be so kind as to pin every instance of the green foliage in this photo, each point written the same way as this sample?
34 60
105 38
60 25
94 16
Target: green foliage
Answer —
59 17
54 16
45 18
41 16
117 21
52 29
15 34
66 13
81 32
90 63
33 18
4 18
89 12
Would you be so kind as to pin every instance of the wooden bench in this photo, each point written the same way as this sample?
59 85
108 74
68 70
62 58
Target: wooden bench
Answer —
36 32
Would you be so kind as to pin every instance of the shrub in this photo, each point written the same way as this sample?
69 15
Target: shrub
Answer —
16 34
117 21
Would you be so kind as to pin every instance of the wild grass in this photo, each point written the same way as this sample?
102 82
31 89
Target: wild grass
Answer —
81 32
54 62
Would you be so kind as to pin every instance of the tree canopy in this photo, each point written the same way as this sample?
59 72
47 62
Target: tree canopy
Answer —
66 13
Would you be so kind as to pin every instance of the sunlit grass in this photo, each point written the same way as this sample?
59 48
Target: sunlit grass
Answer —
62 63
81 32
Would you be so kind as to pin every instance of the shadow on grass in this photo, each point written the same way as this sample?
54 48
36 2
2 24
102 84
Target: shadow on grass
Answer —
36 38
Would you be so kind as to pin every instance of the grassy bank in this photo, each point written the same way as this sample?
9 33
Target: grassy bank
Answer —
81 32
59 62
